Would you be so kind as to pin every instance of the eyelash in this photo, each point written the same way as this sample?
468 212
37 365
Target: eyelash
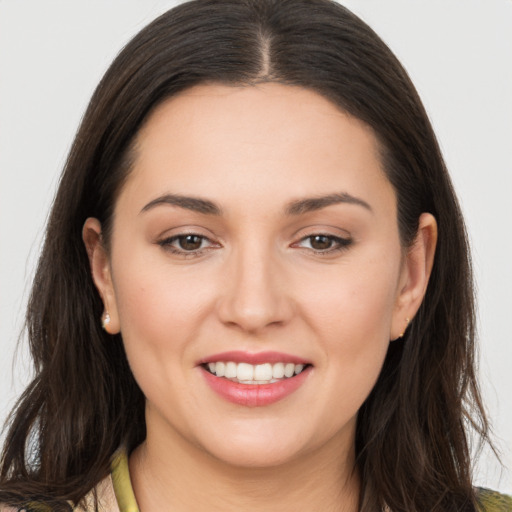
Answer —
167 245
340 244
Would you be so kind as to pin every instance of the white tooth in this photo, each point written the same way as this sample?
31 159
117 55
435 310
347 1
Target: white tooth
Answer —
245 371
263 371
298 368
260 382
211 367
220 368
278 371
230 371
289 369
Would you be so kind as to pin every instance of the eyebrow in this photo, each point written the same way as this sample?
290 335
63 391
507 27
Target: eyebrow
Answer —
296 207
189 203
311 204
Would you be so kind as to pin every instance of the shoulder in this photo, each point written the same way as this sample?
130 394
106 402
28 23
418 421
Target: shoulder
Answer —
492 501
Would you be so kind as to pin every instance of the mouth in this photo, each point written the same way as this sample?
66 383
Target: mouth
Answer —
254 374
254 380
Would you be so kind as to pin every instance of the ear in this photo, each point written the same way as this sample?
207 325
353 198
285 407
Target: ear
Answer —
414 276
101 273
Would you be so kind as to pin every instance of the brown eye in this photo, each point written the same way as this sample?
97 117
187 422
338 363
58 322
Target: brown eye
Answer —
324 244
188 245
321 242
190 242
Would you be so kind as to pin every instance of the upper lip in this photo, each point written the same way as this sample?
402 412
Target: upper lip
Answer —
239 356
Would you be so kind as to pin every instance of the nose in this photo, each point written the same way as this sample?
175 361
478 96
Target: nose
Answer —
255 294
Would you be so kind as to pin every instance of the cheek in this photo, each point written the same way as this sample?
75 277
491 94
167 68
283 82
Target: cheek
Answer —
159 309
352 315
159 318
353 306
153 293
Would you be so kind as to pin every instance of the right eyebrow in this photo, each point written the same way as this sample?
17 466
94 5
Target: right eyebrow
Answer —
310 204
195 204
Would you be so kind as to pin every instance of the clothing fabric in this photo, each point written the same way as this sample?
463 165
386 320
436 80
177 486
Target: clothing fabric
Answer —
491 501
122 484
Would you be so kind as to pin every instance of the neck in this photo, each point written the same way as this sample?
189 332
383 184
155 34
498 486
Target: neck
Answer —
177 476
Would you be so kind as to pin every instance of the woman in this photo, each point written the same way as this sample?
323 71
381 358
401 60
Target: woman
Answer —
255 290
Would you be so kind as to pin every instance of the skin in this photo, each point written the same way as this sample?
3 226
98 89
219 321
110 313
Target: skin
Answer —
258 283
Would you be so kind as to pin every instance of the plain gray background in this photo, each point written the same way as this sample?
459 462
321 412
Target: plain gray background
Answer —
458 53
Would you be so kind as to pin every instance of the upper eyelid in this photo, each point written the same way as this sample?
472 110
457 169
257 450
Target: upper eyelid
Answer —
340 244
325 229
167 244
178 231
343 239
184 234
327 234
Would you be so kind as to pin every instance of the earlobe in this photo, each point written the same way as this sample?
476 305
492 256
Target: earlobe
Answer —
101 273
415 275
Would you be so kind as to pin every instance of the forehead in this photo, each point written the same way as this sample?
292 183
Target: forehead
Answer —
243 142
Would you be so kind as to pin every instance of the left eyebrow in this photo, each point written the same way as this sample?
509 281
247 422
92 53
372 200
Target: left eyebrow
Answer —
195 204
310 204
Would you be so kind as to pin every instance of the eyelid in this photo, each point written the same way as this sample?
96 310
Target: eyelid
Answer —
342 243
166 243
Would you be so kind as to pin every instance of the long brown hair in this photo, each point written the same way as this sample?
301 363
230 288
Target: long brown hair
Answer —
83 403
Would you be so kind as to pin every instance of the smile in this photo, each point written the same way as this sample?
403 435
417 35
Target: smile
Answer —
254 380
245 373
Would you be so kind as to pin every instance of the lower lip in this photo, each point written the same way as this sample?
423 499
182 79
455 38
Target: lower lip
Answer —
255 395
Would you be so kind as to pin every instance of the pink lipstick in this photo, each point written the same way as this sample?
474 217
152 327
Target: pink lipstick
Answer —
254 379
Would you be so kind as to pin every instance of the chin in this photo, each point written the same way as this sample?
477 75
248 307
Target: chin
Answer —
255 456
257 446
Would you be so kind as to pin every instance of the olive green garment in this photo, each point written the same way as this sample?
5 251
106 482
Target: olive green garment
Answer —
491 501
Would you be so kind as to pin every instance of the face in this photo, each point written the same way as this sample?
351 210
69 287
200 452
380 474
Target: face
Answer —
255 272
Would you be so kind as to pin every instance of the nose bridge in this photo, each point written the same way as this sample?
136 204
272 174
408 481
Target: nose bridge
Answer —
254 295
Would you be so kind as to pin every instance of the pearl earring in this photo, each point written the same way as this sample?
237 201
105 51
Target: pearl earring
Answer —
105 321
